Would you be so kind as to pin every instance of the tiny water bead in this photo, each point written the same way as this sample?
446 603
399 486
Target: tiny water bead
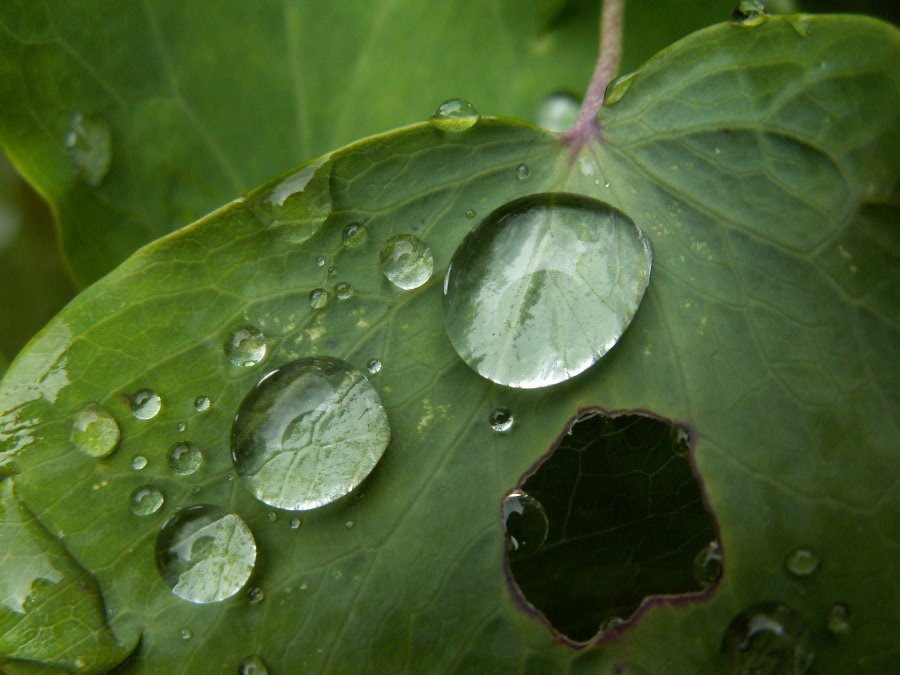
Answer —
802 562
839 619
708 564
543 287
767 638
471 214
353 234
318 298
246 346
320 261
501 419
558 111
406 261
205 554
202 403
525 522
181 427
185 634
343 290
373 366
253 665
272 516
146 500
95 432
308 433
455 115
185 458
145 404
89 145
295 523
522 171
138 462
256 595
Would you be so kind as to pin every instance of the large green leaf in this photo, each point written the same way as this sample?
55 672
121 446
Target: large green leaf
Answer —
203 101
754 159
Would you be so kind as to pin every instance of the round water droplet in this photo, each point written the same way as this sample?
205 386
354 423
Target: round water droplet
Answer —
320 261
406 261
246 347
332 271
617 89
767 638
185 634
253 665
373 366
145 404
348 525
185 458
543 287
749 13
471 214
95 432
708 564
256 595
181 427
802 562
353 234
138 462
318 298
202 403
146 500
525 521
839 619
343 290
501 419
295 523
308 433
522 171
455 114
89 144
272 516
205 554
557 112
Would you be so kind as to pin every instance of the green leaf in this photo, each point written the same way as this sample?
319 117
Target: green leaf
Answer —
203 102
753 158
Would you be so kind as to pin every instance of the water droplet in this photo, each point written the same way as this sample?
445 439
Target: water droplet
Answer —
802 562
557 112
295 523
353 234
522 171
617 89
708 564
89 144
308 433
349 525
525 521
138 462
145 404
95 432
146 500
185 634
202 403
185 458
543 287
455 114
406 261
373 366
320 261
272 516
332 271
749 13
767 638
801 23
256 595
205 554
501 419
343 290
318 298
839 619
253 665
246 347
610 623
471 214
181 427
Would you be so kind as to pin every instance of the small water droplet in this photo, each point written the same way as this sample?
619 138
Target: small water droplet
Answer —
767 638
253 665
246 347
89 144
332 271
501 419
185 458
343 290
295 523
749 13
558 112
471 214
708 564
353 234
802 562
318 298
406 261
455 115
146 500
349 525
202 403
308 434
205 554
272 516
256 595
145 404
230 475
181 427
185 634
525 522
610 623
522 171
320 261
617 89
138 462
95 432
373 366
839 619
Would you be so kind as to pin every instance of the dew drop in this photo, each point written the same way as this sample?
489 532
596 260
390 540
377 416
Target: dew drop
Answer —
205 554
353 234
308 433
610 623
708 564
454 115
253 665
471 214
202 403
332 271
185 634
343 290
501 419
348 525
406 261
272 516
181 427
558 112
89 144
839 619
543 287
373 366
246 347
525 522
185 458
749 13
618 88
138 462
522 171
767 638
95 432
295 523
802 562
318 298
256 595
320 261
145 404
146 500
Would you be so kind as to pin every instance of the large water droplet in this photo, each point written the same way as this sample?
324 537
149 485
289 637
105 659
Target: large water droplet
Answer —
767 638
138 462
318 298
308 433
95 432
839 619
373 366
501 419
185 458
89 143
557 112
202 403
455 114
246 346
205 554
543 287
146 500
145 404
802 562
406 261
253 665
525 521
708 564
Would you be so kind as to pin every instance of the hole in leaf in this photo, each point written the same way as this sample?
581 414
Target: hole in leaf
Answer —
625 522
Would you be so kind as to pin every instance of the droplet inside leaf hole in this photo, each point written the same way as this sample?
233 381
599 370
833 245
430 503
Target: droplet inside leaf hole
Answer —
625 519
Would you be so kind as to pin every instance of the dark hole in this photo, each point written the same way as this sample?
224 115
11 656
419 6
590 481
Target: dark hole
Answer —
614 515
